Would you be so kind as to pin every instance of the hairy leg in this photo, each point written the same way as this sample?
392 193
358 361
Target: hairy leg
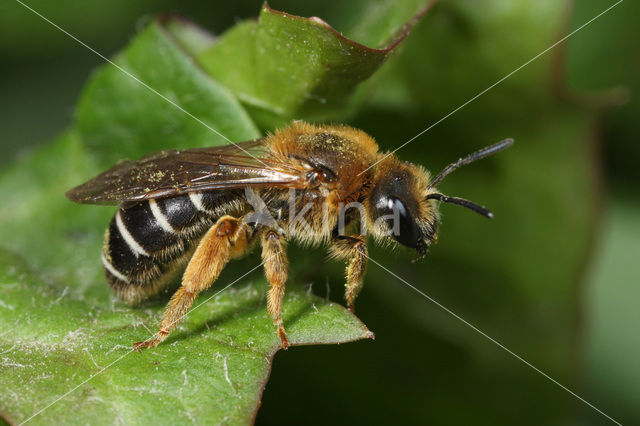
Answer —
225 239
276 267
354 249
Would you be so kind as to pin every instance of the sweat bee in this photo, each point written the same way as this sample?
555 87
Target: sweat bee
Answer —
202 207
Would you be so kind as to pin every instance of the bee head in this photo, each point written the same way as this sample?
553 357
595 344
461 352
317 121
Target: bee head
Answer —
397 206
403 202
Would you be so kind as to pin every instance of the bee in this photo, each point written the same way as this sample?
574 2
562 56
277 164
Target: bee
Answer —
196 209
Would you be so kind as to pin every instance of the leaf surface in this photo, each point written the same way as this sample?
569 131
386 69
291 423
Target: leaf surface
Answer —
59 326
211 370
292 67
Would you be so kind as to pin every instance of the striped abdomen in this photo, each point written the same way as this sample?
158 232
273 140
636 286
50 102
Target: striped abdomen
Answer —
146 243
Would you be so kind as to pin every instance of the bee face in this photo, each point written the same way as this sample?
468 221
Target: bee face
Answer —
398 208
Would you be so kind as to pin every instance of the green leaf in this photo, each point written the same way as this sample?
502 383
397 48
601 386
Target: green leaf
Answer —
55 236
515 278
213 369
53 333
58 323
284 67
118 116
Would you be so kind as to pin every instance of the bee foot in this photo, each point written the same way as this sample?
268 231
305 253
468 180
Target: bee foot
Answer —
283 337
151 343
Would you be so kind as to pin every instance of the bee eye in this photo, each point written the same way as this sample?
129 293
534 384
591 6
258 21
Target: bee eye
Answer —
404 229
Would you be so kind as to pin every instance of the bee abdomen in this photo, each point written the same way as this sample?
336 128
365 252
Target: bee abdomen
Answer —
146 243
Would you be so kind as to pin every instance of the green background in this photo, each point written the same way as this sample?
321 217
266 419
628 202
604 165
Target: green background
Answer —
553 277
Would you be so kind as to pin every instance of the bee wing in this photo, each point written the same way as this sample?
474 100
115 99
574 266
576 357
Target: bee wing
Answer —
173 172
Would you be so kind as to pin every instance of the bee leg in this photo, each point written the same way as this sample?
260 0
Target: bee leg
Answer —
276 266
353 248
227 238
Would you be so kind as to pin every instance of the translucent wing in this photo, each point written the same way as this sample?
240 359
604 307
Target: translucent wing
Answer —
173 172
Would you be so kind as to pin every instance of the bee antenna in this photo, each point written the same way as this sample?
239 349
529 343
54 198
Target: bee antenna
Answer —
462 202
478 155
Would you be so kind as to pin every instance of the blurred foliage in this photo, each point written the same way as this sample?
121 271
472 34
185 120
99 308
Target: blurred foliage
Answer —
612 346
517 278
608 56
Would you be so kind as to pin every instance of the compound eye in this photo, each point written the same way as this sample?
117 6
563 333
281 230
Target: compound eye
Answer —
406 231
